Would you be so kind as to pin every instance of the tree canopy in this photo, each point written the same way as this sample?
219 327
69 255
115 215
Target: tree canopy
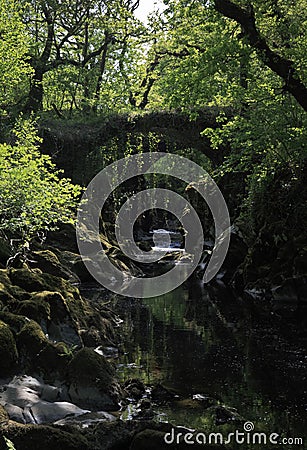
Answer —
246 58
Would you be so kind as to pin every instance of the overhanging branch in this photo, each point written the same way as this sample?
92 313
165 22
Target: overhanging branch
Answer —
279 64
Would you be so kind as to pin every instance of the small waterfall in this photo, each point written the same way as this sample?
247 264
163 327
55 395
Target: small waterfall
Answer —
167 240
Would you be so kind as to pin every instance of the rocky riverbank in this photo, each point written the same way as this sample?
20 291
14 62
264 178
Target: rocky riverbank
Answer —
58 386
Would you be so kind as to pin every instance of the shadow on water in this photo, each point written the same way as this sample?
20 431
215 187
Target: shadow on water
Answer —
196 343
206 341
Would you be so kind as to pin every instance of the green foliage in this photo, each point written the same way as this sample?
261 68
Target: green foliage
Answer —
9 443
14 67
33 196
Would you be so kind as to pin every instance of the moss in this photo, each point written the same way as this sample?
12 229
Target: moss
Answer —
3 415
55 303
7 291
35 281
8 350
34 309
34 437
53 359
48 262
89 368
15 321
32 338
27 280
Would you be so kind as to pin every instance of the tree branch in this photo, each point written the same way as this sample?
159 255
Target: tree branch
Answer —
279 64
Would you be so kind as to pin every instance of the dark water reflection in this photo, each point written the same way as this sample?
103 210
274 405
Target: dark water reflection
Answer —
196 343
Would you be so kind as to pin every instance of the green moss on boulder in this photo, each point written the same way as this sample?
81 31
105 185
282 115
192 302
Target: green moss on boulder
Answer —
48 262
92 385
15 321
35 309
34 437
31 338
53 359
8 350
3 415
89 368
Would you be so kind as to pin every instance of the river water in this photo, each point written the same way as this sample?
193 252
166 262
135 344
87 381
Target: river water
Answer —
196 342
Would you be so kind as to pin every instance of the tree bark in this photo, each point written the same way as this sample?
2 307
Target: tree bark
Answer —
279 64
35 97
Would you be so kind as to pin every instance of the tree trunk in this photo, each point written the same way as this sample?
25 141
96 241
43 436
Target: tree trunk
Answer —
35 97
279 64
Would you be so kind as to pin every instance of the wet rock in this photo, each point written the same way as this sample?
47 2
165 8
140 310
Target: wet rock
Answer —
28 400
16 413
160 394
225 414
87 419
8 349
79 268
134 388
205 400
91 379
46 412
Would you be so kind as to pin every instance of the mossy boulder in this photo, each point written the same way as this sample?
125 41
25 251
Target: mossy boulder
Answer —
48 262
31 338
36 281
61 324
34 437
88 366
53 359
8 349
92 383
15 321
4 417
8 292
36 309
56 304
28 280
